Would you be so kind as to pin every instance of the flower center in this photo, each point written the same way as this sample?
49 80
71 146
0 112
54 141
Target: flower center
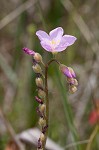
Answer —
53 42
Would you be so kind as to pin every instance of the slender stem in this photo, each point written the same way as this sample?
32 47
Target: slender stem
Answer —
47 103
92 137
47 98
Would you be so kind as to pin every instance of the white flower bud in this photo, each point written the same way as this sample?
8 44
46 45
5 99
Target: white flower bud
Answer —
72 89
42 122
75 82
39 82
72 81
41 93
42 108
37 68
42 137
38 57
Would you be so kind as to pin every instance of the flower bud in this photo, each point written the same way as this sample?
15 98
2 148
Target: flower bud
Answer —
72 72
42 108
42 137
75 82
37 68
40 101
42 122
41 93
72 81
38 57
72 89
64 69
39 82
28 51
67 71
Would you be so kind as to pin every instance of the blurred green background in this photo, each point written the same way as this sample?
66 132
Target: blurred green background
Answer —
69 113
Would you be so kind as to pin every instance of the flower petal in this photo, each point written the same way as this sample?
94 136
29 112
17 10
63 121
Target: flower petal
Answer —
66 41
62 45
42 35
56 33
28 51
60 49
46 46
69 39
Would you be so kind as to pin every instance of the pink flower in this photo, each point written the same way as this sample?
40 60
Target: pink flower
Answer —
55 41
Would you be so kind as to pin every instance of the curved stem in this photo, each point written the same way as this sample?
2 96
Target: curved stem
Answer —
47 98
92 137
52 61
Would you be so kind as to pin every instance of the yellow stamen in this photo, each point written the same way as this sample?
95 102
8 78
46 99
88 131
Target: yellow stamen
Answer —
53 42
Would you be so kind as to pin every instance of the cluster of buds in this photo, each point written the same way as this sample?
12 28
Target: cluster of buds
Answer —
70 77
41 109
